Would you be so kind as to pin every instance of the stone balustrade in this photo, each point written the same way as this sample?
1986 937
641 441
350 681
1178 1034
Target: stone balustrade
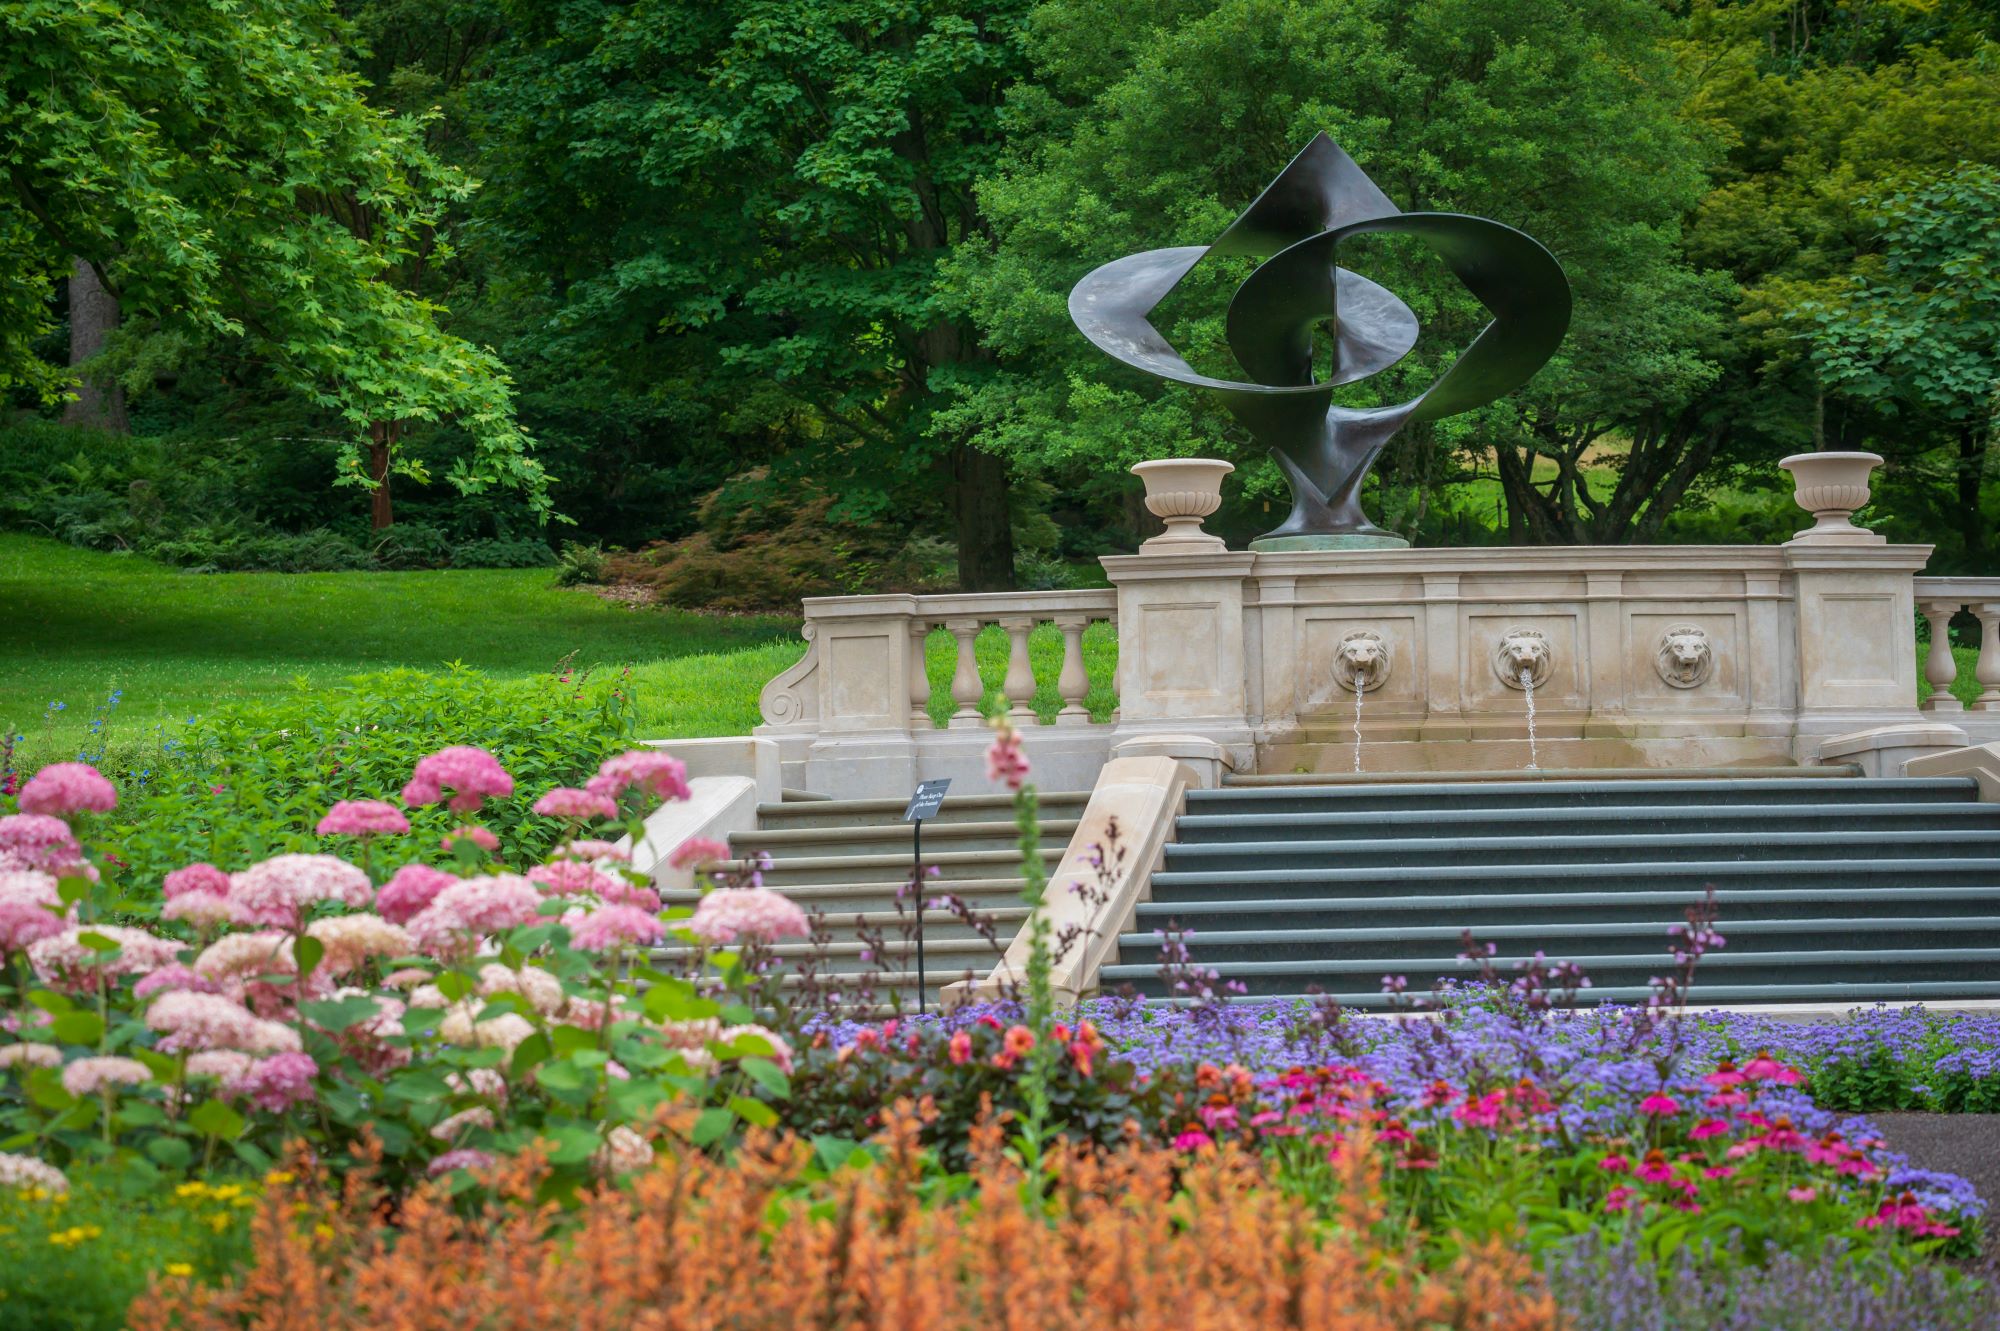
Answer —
1938 599
857 710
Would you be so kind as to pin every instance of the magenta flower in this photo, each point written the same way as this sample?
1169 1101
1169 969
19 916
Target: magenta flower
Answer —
363 818
472 775
62 789
413 887
1004 760
1614 1164
611 927
569 802
1801 1195
276 1083
1765 1068
1709 1127
648 770
1657 1105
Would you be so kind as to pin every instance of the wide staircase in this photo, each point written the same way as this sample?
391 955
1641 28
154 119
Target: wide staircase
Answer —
1831 890
848 862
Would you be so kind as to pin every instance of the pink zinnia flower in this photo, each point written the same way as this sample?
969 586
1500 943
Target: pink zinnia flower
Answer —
611 927
648 770
474 833
363 818
195 877
569 802
698 852
745 914
960 1049
472 774
413 887
1004 760
62 789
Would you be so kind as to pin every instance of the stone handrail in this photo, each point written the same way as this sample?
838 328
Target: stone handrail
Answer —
864 669
1938 599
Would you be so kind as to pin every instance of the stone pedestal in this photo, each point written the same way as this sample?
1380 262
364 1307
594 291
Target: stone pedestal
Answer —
1181 642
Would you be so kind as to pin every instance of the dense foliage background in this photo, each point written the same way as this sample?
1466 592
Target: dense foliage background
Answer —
381 283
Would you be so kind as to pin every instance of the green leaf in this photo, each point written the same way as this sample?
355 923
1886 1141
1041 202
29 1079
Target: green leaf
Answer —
213 1118
310 951
97 942
767 1075
172 1152
337 1014
574 1144
528 1053
754 1112
712 1126
78 1027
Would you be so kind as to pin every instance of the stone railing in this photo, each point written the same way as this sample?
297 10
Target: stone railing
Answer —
854 715
1938 599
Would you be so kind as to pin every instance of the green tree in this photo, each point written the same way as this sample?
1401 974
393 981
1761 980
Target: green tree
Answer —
1154 125
226 180
1915 328
755 197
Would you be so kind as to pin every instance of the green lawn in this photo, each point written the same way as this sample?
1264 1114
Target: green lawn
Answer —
81 623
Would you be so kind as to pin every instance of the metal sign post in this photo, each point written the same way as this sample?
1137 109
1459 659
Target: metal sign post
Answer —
924 804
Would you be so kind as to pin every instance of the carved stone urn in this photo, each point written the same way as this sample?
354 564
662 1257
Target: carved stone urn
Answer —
1181 492
1830 486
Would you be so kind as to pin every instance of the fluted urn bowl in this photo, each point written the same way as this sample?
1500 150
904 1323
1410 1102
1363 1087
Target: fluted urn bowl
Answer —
1181 492
1830 486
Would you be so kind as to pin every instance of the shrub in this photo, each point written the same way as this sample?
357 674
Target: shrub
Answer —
75 1261
580 564
411 545
502 552
794 1234
252 779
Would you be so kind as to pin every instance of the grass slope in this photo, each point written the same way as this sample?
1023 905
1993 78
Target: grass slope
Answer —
81 623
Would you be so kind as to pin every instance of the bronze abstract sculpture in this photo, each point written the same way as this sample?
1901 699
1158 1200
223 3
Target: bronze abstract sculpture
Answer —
1296 226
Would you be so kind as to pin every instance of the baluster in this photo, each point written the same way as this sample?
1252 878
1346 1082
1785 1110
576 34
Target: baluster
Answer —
1019 686
1940 669
966 688
1073 684
1988 670
1117 670
920 676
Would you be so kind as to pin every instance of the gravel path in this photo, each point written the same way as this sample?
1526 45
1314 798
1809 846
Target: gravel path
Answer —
1965 1144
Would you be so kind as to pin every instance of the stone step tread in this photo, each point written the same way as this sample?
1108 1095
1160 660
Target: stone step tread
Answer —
1871 930
892 809
804 893
1552 775
1667 843
1669 781
777 839
1536 869
1706 996
1673 901
948 859
1537 820
895 947
1655 961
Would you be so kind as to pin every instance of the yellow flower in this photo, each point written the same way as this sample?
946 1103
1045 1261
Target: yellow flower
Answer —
196 1189
180 1269
244 1201
219 1221
279 1177
224 1194
323 1230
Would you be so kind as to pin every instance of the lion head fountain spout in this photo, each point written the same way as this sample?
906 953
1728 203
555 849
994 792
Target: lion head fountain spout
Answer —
1522 659
1362 661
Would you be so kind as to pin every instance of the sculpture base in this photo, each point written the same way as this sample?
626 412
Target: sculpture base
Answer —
1330 541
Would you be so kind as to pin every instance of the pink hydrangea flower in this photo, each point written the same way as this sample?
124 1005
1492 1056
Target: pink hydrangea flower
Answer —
647 770
26 1055
473 908
30 909
569 802
92 1076
276 1083
363 818
474 833
1005 762
472 775
195 877
351 940
698 852
190 1021
568 878
40 842
21 1172
66 788
169 978
747 914
586 848
413 887
620 892
64 962
611 927
203 910
278 890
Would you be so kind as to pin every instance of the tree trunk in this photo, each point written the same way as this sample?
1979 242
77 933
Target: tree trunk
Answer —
985 529
93 314
1972 471
380 513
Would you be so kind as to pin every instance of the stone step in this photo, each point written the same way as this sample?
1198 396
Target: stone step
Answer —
804 870
1957 965
1714 820
1502 776
1835 994
1439 797
1554 910
955 809
1686 877
1862 938
1661 849
785 844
